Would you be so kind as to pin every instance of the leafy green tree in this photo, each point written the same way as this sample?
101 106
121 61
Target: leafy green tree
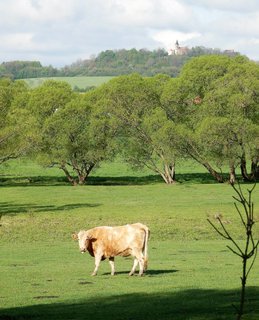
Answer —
46 99
26 69
236 98
143 61
17 136
224 139
213 100
76 138
144 135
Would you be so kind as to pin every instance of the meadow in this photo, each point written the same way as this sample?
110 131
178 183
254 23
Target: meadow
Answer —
81 82
191 274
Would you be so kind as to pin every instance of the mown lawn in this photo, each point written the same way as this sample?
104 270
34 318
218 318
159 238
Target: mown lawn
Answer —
191 273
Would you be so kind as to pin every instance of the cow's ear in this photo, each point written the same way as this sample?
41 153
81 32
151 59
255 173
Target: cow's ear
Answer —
92 239
74 236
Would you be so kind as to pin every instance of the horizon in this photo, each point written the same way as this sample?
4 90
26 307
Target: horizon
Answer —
116 50
58 32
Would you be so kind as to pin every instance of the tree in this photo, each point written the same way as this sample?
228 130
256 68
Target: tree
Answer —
223 140
182 107
26 69
251 245
235 97
144 135
17 136
76 138
46 99
216 94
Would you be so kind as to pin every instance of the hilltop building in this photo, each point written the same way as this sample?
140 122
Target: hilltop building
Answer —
178 51
230 53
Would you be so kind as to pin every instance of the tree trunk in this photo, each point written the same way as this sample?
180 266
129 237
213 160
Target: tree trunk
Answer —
213 172
254 175
169 173
84 173
81 179
172 170
232 174
244 173
255 168
243 291
216 175
69 177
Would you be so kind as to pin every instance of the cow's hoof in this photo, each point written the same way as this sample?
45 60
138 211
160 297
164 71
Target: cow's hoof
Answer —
93 274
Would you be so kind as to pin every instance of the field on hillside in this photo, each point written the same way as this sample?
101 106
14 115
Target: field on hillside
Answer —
79 82
191 274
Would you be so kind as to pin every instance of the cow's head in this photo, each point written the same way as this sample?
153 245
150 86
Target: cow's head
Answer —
83 240
75 236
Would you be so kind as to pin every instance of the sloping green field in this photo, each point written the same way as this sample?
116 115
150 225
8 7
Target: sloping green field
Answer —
80 82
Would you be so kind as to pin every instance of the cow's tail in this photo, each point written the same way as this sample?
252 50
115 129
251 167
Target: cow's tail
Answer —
145 253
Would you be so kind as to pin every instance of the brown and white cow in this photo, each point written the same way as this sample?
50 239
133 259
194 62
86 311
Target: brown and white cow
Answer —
108 242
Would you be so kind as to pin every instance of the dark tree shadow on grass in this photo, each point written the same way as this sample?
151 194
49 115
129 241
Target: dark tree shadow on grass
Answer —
7 208
151 179
27 181
106 181
195 304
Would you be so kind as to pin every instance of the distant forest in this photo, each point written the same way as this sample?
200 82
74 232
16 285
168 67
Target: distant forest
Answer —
109 63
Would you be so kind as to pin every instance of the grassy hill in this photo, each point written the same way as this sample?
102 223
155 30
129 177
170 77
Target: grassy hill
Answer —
79 82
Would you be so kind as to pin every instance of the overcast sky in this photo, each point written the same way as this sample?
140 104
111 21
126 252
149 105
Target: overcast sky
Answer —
59 32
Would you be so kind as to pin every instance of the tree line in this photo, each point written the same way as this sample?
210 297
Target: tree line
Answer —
209 113
26 69
108 63
143 61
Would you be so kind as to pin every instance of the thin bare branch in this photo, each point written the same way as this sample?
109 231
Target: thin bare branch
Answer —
217 230
240 214
251 247
252 189
236 199
238 254
241 199
252 212
252 263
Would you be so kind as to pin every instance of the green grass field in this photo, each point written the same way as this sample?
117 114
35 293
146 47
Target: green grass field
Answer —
81 82
191 274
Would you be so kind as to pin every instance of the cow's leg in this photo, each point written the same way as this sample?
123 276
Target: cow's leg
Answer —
97 263
135 263
111 261
141 266
139 259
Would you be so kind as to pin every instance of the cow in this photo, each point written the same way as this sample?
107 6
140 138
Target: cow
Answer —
107 242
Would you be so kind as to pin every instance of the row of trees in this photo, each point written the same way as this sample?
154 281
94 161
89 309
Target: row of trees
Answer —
143 61
26 69
210 113
108 63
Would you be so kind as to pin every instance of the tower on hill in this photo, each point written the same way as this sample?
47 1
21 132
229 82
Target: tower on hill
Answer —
178 51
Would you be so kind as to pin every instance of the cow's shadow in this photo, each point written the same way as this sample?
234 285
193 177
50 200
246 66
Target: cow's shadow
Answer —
149 272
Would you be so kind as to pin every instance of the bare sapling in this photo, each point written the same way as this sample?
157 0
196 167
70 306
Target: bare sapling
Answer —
245 208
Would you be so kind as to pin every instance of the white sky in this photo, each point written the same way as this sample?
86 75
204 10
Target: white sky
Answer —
59 32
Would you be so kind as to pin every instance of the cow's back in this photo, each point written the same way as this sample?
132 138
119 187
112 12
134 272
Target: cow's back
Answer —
114 241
